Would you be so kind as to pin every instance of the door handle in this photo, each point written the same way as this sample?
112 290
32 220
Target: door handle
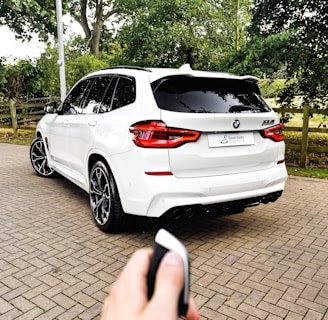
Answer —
92 123
66 123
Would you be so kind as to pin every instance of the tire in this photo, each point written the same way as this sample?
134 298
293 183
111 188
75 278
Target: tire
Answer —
105 201
39 159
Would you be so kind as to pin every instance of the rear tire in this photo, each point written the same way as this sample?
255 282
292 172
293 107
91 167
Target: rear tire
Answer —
104 200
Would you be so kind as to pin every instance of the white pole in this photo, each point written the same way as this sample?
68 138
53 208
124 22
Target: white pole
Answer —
61 61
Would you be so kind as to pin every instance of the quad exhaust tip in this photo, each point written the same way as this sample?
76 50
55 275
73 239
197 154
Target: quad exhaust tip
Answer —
188 212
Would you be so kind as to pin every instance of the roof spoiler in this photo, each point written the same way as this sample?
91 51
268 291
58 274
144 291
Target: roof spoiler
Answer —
187 68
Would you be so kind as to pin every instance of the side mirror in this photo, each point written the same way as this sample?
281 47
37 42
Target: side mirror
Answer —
51 107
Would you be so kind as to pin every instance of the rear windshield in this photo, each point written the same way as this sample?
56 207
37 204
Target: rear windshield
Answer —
208 95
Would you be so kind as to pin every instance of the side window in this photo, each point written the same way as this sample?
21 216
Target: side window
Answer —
74 100
124 93
107 101
93 102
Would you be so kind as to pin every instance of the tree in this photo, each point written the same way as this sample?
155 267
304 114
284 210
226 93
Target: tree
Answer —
39 16
92 16
28 16
173 32
77 66
21 80
289 36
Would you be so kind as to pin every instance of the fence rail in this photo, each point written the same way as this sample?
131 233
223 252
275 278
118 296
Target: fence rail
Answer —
304 147
24 112
17 114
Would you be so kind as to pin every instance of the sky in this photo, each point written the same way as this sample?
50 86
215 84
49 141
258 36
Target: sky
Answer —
11 48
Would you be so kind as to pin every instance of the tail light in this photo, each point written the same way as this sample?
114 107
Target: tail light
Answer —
155 134
274 133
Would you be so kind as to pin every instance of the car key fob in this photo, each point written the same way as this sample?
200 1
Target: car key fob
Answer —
164 242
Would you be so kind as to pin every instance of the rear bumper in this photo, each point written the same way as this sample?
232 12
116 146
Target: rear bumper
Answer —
153 196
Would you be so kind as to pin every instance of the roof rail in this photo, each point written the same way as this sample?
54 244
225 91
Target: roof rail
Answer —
127 67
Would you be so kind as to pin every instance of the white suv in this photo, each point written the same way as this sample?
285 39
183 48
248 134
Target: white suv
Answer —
150 141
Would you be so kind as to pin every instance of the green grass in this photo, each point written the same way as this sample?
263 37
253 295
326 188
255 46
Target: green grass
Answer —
296 119
25 136
308 172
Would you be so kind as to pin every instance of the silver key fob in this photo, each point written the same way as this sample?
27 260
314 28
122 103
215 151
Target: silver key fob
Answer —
164 242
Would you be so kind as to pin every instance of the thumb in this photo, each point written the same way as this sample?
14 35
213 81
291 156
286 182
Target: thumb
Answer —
168 286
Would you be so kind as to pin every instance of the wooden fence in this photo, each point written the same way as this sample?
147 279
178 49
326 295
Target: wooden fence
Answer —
22 113
304 147
17 114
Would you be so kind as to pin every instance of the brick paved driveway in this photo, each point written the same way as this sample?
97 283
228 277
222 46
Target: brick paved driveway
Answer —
270 262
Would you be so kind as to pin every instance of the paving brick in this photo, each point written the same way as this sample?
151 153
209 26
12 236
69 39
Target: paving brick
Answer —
255 312
313 315
270 262
292 294
296 308
30 315
233 313
53 313
273 309
22 304
293 316
273 296
211 314
73 312
92 312
5 306
10 315
312 305
43 302
216 301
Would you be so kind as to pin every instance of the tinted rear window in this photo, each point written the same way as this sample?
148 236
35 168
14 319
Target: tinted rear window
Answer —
208 95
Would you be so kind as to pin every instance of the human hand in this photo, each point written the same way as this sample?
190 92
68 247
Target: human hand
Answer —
128 298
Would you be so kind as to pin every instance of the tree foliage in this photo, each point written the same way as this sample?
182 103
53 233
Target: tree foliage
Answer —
173 32
20 80
92 16
39 16
28 16
290 37
76 67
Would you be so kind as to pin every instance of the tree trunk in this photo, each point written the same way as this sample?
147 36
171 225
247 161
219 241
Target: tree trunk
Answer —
92 36
95 38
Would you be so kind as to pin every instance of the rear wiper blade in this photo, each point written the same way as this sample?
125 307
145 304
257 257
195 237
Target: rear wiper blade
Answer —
242 108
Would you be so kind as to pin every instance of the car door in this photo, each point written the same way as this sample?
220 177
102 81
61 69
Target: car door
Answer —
82 126
58 133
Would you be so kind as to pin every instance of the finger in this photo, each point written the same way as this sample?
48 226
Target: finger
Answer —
131 287
192 312
168 285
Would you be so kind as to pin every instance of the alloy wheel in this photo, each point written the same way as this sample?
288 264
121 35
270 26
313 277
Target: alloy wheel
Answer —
39 160
100 195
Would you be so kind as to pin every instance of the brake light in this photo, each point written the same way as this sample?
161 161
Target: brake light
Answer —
155 134
274 133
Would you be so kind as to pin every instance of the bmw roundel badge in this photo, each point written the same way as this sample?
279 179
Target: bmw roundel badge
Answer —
236 124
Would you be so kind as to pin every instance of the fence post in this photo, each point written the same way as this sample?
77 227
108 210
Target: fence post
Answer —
305 136
13 114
